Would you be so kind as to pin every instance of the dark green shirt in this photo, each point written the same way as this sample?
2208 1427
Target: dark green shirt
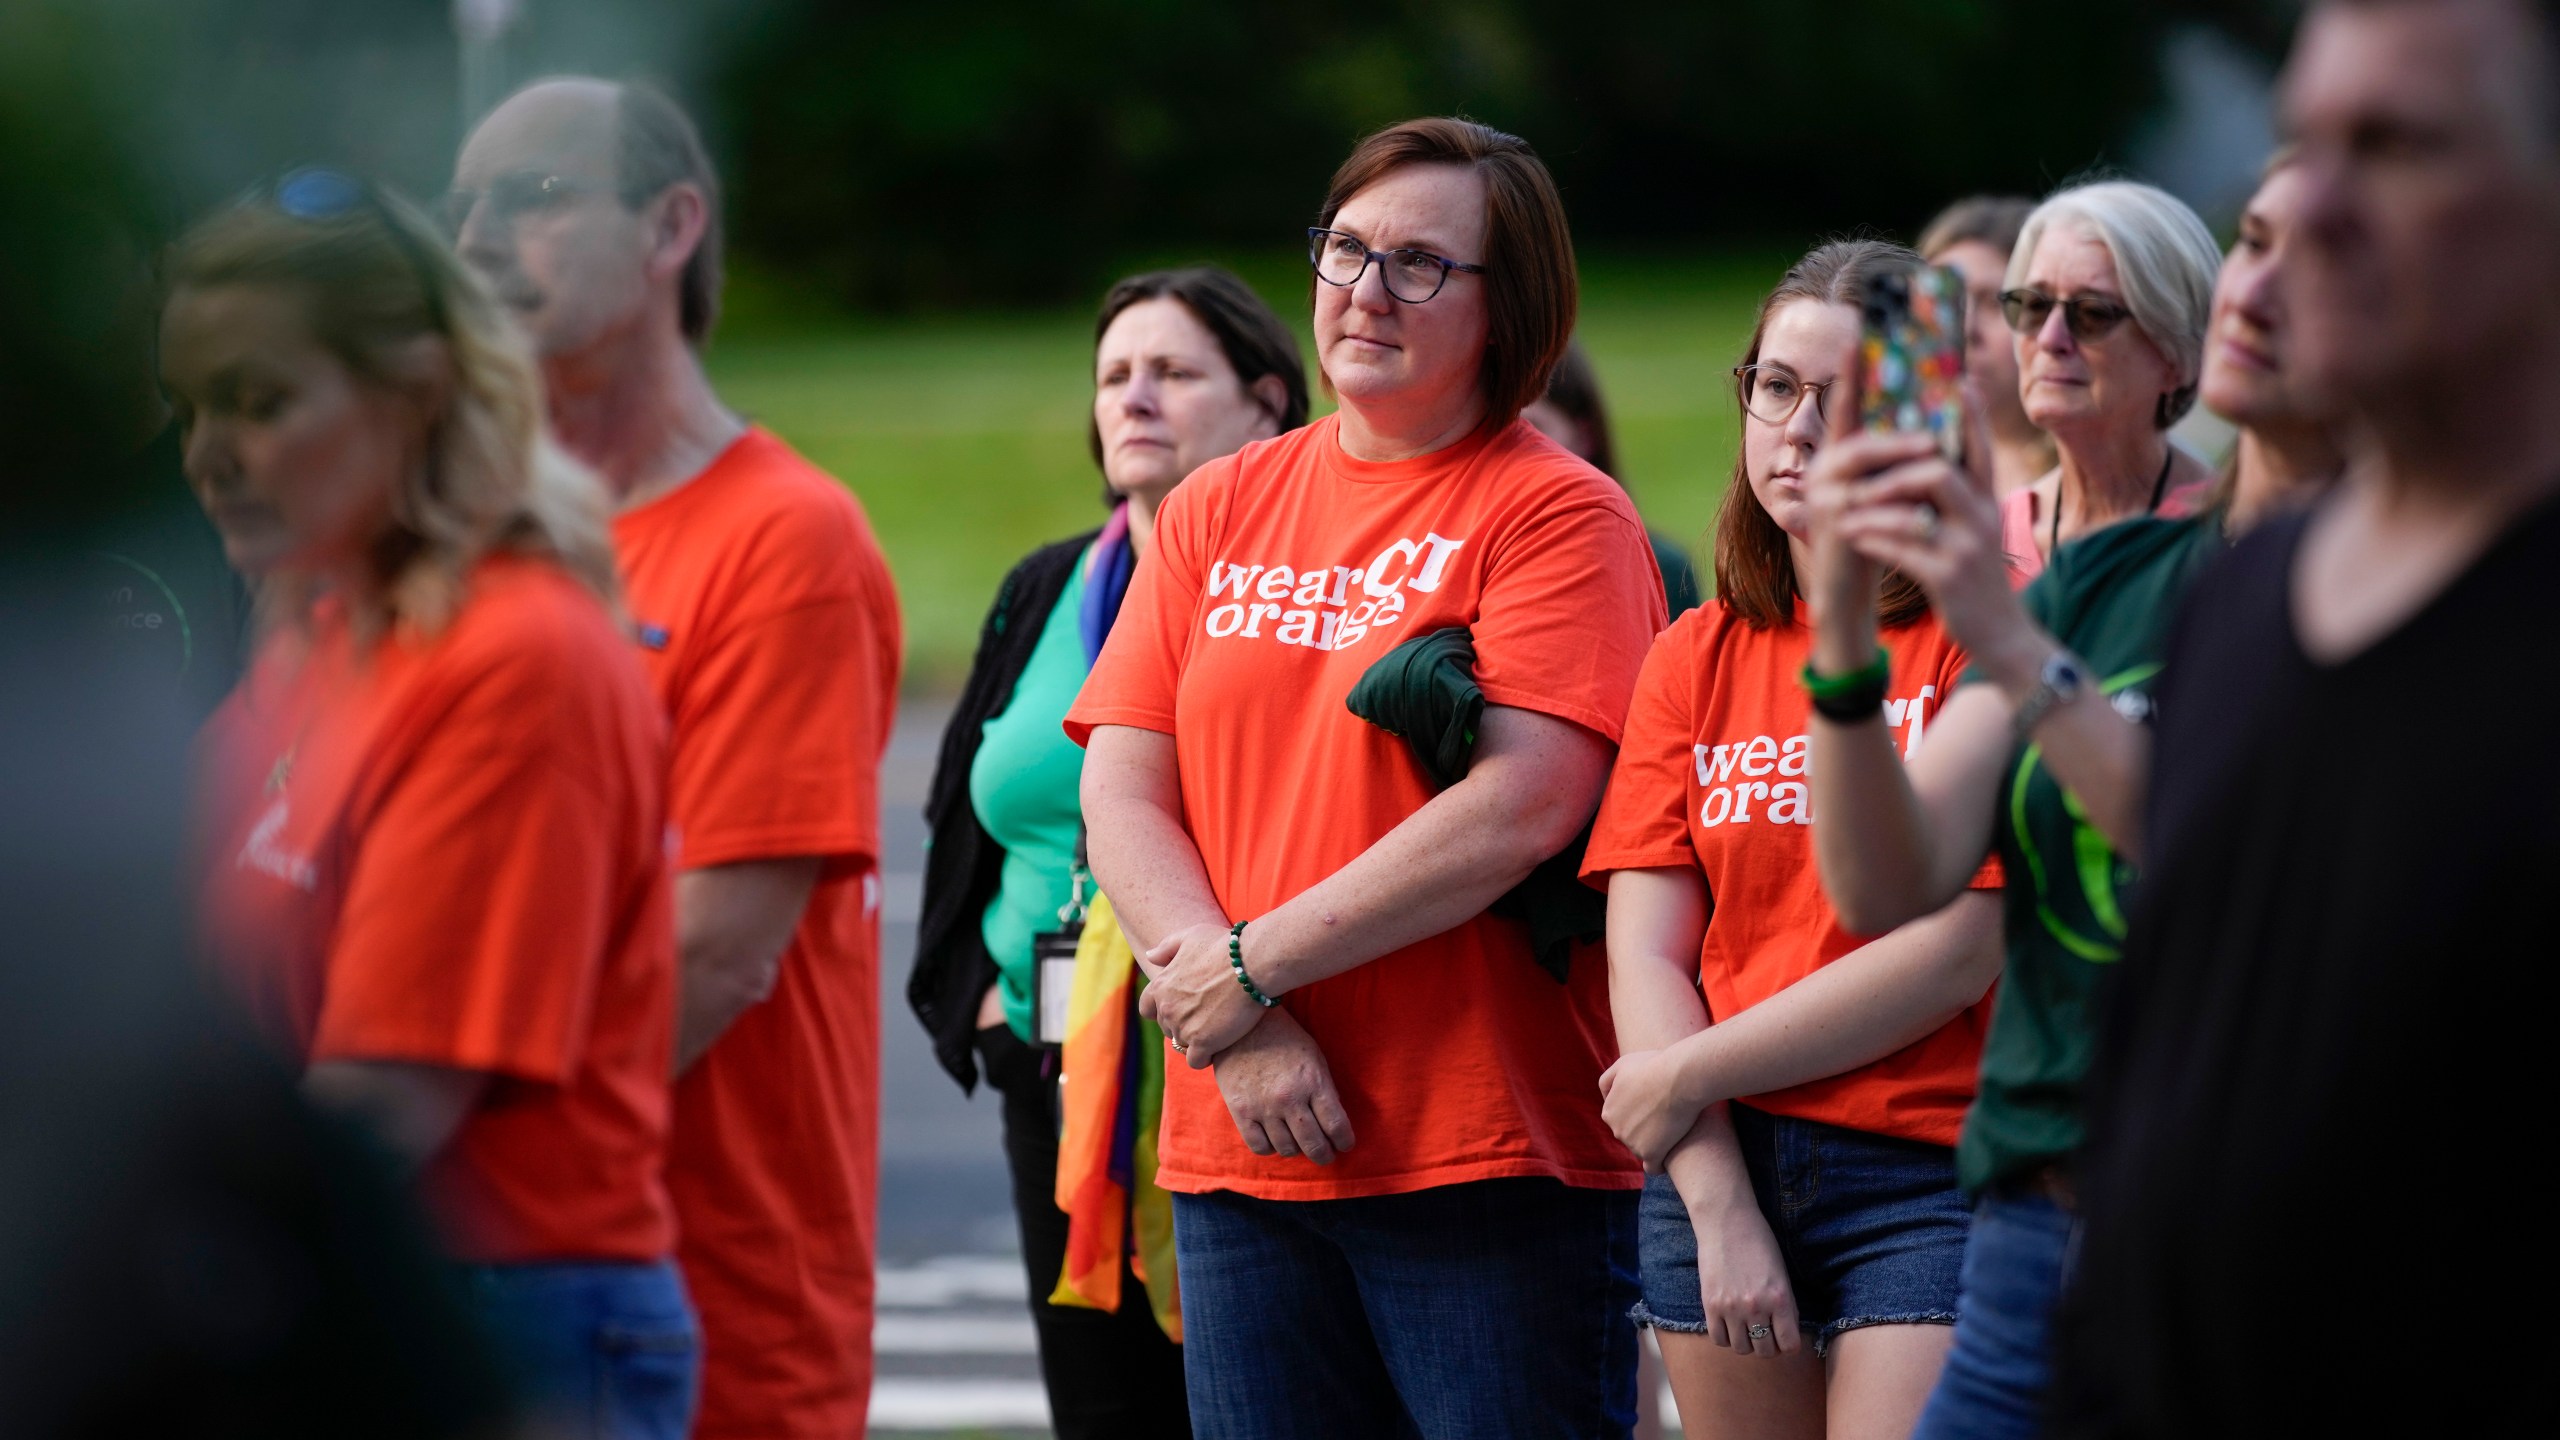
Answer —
2109 598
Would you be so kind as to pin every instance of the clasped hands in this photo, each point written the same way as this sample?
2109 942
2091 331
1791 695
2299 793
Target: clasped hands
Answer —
1650 1099
1271 1073
1192 993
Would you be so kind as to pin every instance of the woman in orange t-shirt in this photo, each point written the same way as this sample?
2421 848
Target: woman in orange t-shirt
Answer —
1394 1194
435 825
1799 1117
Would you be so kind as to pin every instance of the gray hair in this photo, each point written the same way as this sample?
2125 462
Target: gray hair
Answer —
2166 262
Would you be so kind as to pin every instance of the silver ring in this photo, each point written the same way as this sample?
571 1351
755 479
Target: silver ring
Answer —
1179 1047
1759 1332
1928 522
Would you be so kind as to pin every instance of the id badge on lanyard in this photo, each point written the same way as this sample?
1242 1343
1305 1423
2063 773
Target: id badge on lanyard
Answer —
1053 960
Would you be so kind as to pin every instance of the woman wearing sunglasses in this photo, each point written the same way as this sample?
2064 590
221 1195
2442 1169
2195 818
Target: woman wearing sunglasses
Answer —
2043 755
2108 291
435 826
1439 1238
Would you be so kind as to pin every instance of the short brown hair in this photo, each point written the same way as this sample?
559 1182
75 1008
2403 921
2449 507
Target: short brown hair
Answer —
655 146
1755 572
1530 287
1253 339
1992 220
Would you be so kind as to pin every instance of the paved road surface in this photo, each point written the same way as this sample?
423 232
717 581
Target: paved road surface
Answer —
954 1342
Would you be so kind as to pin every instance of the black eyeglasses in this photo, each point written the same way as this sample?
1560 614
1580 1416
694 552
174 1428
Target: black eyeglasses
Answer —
512 197
1412 276
1773 395
2087 316
320 195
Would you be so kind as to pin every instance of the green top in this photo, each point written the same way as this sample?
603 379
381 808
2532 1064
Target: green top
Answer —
1023 786
2110 598
1679 577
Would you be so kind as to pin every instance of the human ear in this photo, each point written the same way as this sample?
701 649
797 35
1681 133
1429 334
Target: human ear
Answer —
680 217
1271 393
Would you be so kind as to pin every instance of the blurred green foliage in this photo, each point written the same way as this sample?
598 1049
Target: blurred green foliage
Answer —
905 154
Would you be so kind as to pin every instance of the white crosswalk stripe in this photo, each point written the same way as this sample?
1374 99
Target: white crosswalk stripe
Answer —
955 1349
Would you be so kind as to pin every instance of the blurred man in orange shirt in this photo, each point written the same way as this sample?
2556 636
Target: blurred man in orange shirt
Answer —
767 621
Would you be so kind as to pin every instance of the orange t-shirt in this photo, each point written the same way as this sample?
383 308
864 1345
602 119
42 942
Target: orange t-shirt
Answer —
1278 576
769 626
451 850
1711 774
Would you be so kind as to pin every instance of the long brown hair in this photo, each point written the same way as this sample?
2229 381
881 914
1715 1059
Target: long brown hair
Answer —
1755 572
1531 289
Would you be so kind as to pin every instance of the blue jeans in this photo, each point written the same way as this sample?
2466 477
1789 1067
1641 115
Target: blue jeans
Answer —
1997 1374
1872 1228
1491 1309
600 1350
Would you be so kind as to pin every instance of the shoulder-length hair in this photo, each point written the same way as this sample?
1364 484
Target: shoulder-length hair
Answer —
1531 290
371 282
1755 571
1252 338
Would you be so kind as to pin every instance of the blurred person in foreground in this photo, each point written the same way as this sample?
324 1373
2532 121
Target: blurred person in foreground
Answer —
433 832
1396 1205
1801 1243
1573 414
190 1247
2048 736
768 626
1975 237
1188 367
2326 997
2109 292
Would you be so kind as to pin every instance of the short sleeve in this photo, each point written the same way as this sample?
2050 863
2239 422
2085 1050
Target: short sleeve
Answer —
1135 678
1644 815
1570 607
484 888
1953 670
778 737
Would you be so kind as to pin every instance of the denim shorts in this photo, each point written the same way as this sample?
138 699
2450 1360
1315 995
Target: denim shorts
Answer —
1872 1228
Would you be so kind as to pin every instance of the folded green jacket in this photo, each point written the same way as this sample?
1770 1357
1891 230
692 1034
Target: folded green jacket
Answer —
1424 691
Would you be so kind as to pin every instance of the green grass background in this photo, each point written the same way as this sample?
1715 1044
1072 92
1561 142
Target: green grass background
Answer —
965 436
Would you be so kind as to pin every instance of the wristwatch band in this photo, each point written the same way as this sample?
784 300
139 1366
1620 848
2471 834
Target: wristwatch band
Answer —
2058 683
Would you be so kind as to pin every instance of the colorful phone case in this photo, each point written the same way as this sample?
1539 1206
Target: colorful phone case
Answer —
1911 358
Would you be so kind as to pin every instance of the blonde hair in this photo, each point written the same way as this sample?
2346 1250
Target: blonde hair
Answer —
2166 262
373 280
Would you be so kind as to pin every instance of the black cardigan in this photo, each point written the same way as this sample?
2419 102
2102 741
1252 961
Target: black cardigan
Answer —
964 864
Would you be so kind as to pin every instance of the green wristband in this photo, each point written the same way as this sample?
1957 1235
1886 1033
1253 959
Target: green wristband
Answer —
1875 675
1235 962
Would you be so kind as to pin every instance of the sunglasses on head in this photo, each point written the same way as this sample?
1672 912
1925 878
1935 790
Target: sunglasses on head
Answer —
321 196
2088 317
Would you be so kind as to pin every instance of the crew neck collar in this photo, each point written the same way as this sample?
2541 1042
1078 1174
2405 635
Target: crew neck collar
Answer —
1454 456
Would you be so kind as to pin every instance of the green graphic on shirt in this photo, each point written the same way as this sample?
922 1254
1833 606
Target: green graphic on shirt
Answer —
177 608
2094 864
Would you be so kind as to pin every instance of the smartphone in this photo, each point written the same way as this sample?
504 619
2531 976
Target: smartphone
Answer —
1911 356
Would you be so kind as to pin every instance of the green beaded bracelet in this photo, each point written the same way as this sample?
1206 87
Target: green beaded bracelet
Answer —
1235 962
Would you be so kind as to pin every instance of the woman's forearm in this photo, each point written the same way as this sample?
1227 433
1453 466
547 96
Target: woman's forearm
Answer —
1856 1010
1898 840
1656 919
1141 855
2094 752
1706 1167
1534 783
